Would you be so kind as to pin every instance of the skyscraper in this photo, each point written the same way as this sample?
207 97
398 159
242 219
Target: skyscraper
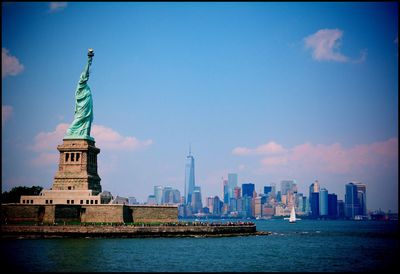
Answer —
332 205
197 204
314 204
267 189
323 202
340 209
362 197
210 203
189 178
217 206
226 191
158 193
232 182
288 186
351 203
236 192
247 189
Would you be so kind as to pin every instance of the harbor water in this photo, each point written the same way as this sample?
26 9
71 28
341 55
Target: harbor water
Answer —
307 245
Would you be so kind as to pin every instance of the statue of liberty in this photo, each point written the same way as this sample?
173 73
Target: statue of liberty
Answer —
83 116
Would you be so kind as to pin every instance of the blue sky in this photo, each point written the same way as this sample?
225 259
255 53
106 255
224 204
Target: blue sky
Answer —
271 91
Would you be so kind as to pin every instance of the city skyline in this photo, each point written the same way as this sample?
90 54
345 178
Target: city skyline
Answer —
253 87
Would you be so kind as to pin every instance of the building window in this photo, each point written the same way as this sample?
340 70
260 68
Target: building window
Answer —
51 201
81 202
72 157
66 157
91 202
87 202
72 201
47 201
77 157
31 201
95 202
67 201
69 188
23 201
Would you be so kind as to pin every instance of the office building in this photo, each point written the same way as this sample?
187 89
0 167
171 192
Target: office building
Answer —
257 207
197 204
279 196
247 189
351 206
273 190
210 203
236 192
323 202
189 178
299 202
232 183
132 201
306 205
247 206
288 186
267 190
362 197
226 191
233 204
340 209
314 204
332 205
217 206
151 200
158 193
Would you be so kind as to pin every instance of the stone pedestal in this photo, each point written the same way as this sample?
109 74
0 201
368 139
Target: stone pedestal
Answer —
77 168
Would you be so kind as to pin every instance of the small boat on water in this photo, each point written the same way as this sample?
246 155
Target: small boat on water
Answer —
292 218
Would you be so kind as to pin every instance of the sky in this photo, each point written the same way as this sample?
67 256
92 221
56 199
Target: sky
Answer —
270 91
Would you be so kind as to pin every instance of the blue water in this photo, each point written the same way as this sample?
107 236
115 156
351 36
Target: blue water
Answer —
307 245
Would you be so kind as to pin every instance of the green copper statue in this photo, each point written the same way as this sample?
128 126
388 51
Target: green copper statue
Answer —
83 117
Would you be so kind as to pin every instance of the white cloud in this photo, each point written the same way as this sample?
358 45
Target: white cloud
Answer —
325 45
48 141
106 138
268 148
327 159
57 6
6 113
109 139
10 65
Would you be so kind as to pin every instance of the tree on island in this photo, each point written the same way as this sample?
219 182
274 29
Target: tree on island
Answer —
14 195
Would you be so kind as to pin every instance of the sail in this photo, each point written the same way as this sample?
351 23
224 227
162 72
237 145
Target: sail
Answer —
292 216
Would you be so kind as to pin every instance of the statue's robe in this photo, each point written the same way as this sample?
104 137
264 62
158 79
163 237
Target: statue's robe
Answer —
83 116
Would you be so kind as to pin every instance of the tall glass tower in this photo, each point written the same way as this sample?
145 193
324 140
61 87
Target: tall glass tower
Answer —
189 178
232 182
362 198
323 202
351 203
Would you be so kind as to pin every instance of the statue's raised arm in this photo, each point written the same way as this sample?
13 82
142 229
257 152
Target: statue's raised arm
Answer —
85 74
83 116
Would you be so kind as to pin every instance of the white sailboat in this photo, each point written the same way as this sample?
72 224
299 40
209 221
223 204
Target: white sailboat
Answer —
292 218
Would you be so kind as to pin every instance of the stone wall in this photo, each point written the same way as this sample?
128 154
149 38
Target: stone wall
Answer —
18 213
127 231
102 213
154 213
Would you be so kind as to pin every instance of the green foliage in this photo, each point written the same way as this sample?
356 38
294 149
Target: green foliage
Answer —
14 195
